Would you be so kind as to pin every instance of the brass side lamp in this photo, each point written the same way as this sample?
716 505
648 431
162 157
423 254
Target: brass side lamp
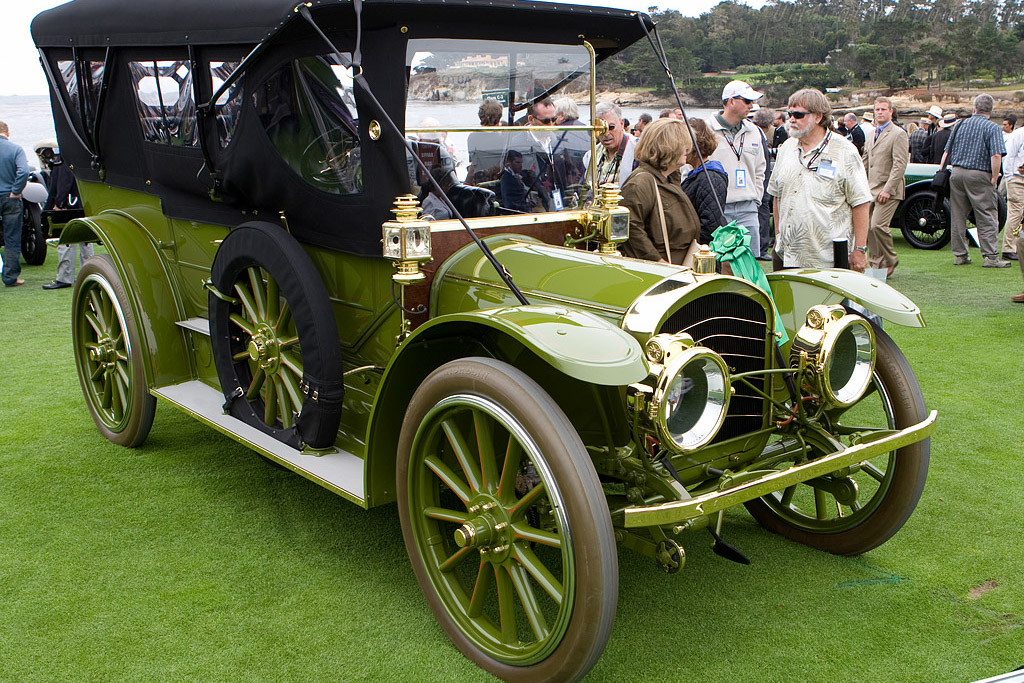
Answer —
407 243
610 220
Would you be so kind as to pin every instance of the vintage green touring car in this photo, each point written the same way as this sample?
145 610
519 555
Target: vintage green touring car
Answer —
258 173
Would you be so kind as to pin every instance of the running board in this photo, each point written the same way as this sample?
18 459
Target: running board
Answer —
200 325
336 470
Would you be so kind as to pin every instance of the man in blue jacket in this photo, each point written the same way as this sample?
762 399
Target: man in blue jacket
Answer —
13 176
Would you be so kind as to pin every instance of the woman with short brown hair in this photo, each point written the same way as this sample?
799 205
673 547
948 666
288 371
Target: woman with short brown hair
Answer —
662 222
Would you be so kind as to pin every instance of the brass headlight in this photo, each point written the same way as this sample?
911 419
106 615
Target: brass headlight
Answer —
839 352
691 399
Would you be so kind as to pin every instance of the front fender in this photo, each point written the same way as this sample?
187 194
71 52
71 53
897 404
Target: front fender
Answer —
148 283
577 344
796 290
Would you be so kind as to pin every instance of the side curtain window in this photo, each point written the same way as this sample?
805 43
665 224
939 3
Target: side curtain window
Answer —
309 112
165 103
83 98
228 106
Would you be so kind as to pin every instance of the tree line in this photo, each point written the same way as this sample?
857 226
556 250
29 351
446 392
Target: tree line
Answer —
782 46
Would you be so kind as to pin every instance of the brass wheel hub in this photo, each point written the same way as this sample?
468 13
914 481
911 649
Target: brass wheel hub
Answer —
490 530
264 348
105 353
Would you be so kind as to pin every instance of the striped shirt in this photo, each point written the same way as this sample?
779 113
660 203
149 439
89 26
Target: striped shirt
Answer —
977 141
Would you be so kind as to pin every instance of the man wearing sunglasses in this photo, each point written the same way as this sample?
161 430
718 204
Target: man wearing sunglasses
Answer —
820 189
740 151
615 156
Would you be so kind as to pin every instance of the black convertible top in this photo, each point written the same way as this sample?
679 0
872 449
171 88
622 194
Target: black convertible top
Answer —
85 23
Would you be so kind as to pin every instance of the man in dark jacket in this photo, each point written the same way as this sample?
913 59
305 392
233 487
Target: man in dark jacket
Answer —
938 139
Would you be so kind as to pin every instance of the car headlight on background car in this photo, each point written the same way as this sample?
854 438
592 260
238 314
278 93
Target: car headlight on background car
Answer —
691 396
838 350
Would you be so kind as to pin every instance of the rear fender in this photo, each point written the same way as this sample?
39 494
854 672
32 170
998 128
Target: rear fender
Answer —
582 360
151 294
795 291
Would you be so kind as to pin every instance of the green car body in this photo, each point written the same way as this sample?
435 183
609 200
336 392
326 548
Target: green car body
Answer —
523 431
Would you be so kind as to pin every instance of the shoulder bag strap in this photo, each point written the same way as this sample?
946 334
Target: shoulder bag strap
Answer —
661 216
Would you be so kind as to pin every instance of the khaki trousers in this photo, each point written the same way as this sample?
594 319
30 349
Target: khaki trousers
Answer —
881 253
974 189
1014 212
1020 250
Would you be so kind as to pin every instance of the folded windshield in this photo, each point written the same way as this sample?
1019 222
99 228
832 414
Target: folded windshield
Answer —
501 86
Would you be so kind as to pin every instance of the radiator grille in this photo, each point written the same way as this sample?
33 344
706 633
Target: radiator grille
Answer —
734 326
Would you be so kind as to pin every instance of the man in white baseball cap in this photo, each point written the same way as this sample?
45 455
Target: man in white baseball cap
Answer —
740 151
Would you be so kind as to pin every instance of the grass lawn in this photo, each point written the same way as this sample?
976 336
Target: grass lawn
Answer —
192 558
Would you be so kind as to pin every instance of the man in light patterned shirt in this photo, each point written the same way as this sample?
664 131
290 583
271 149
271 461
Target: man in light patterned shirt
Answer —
820 187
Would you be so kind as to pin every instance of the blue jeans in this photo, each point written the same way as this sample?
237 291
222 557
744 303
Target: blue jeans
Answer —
10 209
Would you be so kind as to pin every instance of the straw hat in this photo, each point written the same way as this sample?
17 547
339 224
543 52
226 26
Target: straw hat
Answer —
868 116
935 111
948 121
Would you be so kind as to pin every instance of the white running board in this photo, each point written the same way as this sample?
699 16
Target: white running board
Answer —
338 471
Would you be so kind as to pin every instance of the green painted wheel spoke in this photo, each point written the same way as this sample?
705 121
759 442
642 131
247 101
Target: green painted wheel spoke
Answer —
528 600
526 501
121 384
787 496
462 453
288 343
455 560
116 404
855 505
257 289
122 374
820 504
873 471
541 574
122 356
258 378
291 388
484 428
270 405
484 581
273 299
293 363
240 356
445 515
450 479
94 323
284 406
526 532
513 456
284 318
506 606
245 296
106 396
243 323
97 309
97 373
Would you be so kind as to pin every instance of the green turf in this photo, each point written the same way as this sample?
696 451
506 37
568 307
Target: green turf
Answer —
192 558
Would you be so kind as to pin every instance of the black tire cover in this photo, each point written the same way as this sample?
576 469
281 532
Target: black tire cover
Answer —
268 246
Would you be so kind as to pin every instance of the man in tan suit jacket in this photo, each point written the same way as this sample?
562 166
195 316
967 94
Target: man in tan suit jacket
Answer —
886 154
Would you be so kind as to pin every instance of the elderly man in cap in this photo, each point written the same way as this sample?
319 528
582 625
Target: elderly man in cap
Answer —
741 155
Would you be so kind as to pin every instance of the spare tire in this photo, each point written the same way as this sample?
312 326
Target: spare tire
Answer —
275 342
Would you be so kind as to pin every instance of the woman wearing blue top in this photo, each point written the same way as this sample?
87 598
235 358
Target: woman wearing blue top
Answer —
705 182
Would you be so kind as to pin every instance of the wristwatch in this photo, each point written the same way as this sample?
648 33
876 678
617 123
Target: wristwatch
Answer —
863 250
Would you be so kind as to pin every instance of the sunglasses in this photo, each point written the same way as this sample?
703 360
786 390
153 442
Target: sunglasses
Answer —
744 99
798 114
547 121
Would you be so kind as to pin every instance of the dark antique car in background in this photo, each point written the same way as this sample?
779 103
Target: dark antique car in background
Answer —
925 224
530 398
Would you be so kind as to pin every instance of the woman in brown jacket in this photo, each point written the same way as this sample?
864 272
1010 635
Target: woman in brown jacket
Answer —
662 221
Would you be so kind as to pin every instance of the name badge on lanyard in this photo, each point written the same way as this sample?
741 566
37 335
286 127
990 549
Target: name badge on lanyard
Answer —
826 169
741 177
556 199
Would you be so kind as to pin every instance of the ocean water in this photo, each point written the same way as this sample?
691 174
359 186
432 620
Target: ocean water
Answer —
30 119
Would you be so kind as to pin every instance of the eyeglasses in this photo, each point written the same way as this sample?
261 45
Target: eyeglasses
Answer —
798 114
547 121
611 127
744 99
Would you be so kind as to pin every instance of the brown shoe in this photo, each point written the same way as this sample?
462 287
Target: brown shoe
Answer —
1018 298
17 283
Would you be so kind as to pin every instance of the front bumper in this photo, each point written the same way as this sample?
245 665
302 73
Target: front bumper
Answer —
691 508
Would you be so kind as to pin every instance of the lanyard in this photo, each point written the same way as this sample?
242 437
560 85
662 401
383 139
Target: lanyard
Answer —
817 153
616 161
729 142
